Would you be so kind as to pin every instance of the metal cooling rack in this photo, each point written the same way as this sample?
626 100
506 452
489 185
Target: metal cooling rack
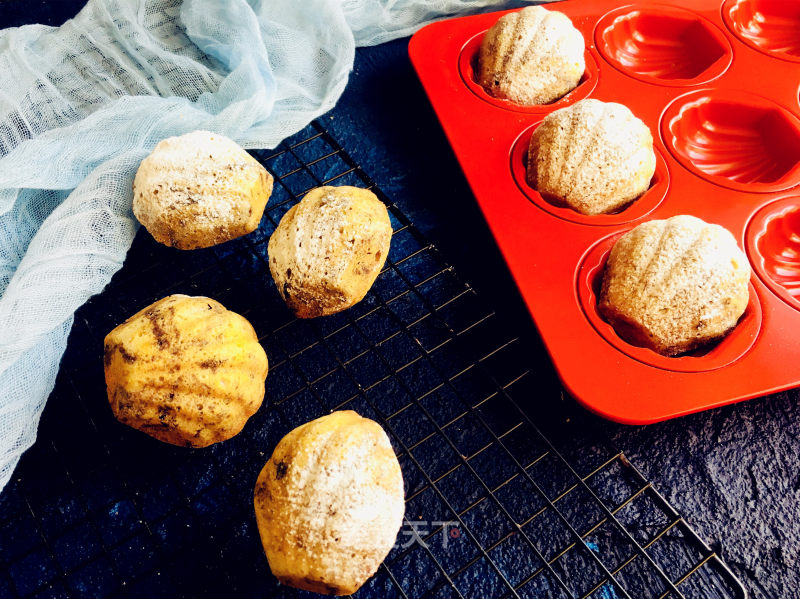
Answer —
494 507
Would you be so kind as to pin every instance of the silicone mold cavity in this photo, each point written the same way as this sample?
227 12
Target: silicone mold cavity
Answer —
725 120
468 68
663 45
770 26
734 139
639 208
729 349
773 242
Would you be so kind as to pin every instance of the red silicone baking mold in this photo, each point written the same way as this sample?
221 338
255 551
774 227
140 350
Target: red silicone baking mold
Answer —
717 83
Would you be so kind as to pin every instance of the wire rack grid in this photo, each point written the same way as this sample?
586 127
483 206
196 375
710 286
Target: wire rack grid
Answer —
494 507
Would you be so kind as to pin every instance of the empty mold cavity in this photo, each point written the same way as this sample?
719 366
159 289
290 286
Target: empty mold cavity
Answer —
663 45
468 67
638 208
725 351
734 139
773 242
771 26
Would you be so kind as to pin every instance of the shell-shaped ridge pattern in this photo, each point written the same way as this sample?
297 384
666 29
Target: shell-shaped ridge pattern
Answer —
594 156
779 246
533 56
740 142
675 284
770 25
667 45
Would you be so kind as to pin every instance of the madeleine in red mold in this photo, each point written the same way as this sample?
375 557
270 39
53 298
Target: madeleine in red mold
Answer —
675 285
595 157
533 56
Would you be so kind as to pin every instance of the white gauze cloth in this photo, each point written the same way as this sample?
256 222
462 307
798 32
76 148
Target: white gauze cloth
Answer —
82 104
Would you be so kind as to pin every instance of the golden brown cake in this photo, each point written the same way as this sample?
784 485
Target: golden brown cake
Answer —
329 504
185 370
674 285
328 249
199 190
532 56
596 157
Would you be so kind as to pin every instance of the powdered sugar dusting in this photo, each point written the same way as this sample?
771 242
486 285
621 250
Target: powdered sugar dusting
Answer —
329 503
197 182
328 249
681 280
594 156
532 56
325 234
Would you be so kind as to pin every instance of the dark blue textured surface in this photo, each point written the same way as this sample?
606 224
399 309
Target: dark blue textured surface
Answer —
733 472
